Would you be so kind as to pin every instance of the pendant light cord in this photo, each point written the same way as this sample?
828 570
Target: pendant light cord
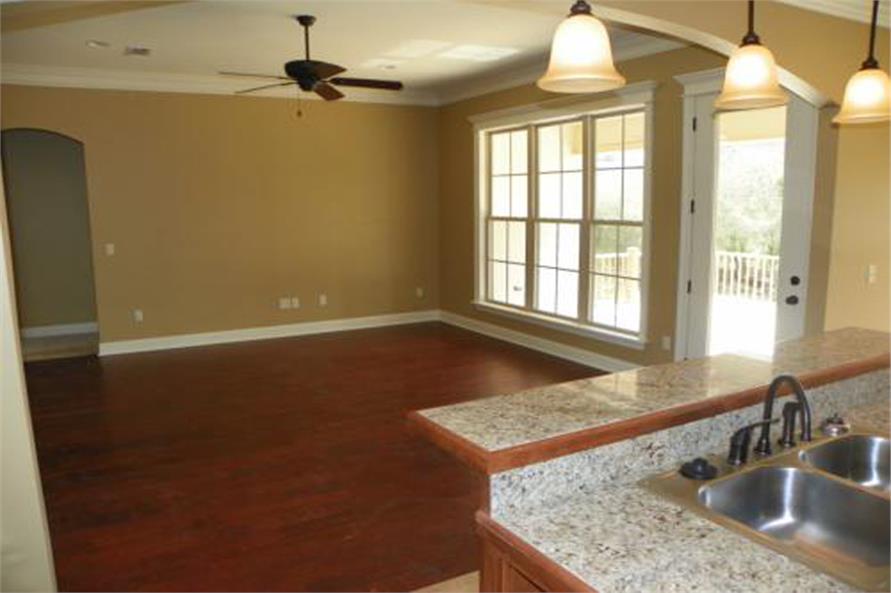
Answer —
751 37
871 61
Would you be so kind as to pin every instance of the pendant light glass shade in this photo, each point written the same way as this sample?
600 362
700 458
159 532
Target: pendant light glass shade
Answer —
581 56
868 92
751 80
867 98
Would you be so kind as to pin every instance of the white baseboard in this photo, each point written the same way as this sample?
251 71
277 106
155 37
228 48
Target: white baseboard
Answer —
65 329
263 333
579 355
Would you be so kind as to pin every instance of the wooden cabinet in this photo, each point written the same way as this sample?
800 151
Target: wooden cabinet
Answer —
510 564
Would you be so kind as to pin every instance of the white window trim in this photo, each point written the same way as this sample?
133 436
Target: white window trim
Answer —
638 95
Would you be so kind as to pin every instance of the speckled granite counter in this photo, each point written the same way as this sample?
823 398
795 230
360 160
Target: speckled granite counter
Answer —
627 539
685 390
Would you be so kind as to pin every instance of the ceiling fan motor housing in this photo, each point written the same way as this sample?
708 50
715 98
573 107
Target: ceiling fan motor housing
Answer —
303 71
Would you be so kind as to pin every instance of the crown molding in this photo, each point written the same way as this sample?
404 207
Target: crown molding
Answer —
95 78
531 72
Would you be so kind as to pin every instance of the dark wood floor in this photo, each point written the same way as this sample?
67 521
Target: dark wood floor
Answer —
275 465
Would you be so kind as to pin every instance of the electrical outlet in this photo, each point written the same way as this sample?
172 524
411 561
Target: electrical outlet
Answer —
323 300
284 303
137 316
109 249
419 292
666 342
295 302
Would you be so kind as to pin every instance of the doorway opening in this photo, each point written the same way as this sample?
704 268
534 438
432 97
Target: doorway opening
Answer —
46 198
748 186
748 214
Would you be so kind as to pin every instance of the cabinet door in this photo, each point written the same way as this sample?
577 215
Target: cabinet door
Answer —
515 581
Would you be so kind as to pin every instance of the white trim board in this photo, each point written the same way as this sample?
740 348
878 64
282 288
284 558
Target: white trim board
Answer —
65 329
264 333
579 355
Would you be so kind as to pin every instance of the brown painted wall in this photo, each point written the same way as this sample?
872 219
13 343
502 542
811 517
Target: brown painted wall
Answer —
47 206
218 205
457 199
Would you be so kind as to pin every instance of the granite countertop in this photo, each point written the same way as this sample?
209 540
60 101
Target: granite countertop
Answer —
505 421
627 539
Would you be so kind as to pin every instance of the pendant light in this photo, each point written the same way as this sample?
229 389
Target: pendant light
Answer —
751 80
868 92
581 56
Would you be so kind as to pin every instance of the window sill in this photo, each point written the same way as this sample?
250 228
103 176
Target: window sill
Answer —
560 325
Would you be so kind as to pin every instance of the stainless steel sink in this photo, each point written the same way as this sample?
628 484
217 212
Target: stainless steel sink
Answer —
863 459
817 505
819 515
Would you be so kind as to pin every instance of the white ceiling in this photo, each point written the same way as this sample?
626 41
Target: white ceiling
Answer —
423 39
855 10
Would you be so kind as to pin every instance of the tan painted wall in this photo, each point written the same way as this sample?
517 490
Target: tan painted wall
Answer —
48 215
456 196
218 205
860 231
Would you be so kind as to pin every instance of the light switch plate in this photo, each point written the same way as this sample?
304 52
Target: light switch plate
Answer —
138 316
109 249
323 300
295 302
284 303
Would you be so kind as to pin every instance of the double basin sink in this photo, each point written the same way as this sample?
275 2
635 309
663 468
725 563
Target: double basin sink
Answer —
826 505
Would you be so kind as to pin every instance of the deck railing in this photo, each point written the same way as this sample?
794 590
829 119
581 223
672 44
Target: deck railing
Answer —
625 264
747 275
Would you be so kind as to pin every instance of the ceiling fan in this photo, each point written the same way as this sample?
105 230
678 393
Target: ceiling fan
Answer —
315 76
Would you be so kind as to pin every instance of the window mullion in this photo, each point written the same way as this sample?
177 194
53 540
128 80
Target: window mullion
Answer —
531 213
585 229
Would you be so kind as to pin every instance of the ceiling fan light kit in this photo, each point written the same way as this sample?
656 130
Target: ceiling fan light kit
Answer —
751 79
313 75
868 92
581 56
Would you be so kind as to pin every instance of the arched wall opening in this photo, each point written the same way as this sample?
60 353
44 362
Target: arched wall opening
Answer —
46 194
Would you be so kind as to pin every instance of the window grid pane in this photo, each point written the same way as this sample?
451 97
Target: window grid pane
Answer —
617 231
508 209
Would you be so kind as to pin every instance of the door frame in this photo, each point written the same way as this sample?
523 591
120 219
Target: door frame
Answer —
799 183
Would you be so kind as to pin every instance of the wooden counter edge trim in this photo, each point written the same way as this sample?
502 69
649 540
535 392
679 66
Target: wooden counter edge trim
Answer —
573 442
468 452
529 560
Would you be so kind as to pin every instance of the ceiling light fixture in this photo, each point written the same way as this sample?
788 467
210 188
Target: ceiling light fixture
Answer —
97 43
751 80
868 92
581 56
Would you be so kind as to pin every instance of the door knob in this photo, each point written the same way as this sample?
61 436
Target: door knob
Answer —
792 300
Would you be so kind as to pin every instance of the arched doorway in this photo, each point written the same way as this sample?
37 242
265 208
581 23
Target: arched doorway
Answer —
46 195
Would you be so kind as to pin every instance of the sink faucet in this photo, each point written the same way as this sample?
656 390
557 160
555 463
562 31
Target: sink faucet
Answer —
803 407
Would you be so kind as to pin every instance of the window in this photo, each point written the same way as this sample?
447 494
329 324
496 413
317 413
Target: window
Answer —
564 218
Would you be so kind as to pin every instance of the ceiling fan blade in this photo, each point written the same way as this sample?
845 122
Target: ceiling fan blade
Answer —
251 75
327 92
368 83
325 70
265 86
